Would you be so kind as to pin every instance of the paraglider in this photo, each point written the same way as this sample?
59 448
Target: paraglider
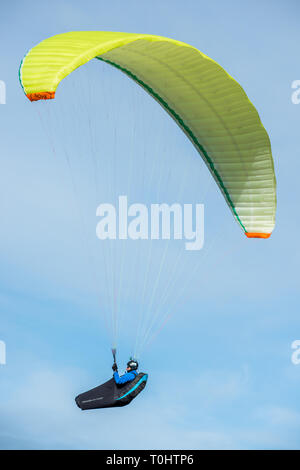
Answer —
118 391
208 105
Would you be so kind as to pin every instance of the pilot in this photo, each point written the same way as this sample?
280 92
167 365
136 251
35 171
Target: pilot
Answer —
130 374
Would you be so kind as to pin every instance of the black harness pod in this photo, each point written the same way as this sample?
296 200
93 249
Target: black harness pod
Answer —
110 394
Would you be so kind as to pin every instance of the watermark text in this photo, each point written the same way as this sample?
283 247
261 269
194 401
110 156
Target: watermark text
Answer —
296 354
2 353
2 92
295 97
160 221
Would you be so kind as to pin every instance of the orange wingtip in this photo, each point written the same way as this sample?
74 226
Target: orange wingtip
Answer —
42 95
257 235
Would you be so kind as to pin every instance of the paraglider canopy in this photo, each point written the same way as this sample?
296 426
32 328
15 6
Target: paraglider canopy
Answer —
208 104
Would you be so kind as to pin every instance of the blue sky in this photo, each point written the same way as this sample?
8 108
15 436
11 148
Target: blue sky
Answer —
220 373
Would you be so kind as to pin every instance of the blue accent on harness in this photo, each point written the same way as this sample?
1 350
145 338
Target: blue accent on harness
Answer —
145 377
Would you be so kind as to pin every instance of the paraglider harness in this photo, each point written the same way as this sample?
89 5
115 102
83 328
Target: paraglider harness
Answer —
111 394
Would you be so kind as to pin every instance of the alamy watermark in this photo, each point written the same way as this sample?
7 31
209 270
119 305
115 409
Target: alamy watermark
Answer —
2 92
2 353
295 97
295 358
160 221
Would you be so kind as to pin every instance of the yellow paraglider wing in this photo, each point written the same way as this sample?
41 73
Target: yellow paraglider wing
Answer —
208 104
